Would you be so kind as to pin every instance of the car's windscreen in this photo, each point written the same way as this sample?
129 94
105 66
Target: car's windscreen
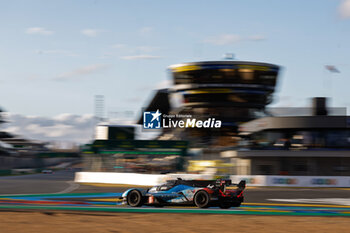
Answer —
165 187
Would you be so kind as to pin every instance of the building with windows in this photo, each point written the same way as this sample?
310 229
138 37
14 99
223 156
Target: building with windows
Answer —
318 144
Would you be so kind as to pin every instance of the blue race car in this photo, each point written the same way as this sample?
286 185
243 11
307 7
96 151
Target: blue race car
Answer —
201 193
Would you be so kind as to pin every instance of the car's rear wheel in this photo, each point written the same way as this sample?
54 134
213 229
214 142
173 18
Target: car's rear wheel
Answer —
225 205
236 204
134 198
201 199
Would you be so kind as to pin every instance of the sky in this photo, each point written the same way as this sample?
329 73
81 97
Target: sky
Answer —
55 56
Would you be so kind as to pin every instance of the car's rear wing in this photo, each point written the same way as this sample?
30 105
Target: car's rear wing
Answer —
205 183
241 185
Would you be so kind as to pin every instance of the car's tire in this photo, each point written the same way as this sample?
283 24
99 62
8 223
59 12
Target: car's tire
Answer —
201 199
225 205
134 198
236 204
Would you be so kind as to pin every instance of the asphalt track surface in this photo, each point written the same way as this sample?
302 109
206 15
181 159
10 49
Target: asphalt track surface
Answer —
58 192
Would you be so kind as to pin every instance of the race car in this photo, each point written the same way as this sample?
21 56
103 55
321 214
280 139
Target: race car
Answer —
47 171
201 193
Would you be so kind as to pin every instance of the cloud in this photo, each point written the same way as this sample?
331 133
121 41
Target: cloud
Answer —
146 31
64 127
344 9
140 57
256 38
85 70
226 39
38 31
90 32
58 52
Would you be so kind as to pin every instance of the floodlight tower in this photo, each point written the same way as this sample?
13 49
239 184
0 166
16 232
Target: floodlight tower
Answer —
99 107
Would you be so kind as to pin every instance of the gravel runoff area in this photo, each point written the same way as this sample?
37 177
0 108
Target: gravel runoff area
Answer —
53 221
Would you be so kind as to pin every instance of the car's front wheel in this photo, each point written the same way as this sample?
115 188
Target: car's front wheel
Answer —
201 199
134 198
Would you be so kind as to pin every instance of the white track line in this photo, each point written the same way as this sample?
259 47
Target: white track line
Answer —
72 186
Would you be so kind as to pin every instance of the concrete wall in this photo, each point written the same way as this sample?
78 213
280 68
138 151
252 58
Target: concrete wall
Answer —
132 178
156 179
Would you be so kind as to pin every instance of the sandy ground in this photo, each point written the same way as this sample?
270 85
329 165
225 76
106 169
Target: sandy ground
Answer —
148 222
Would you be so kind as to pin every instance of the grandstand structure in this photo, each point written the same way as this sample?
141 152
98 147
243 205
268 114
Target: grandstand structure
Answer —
231 91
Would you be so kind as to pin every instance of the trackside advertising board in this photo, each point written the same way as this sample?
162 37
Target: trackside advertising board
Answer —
295 181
